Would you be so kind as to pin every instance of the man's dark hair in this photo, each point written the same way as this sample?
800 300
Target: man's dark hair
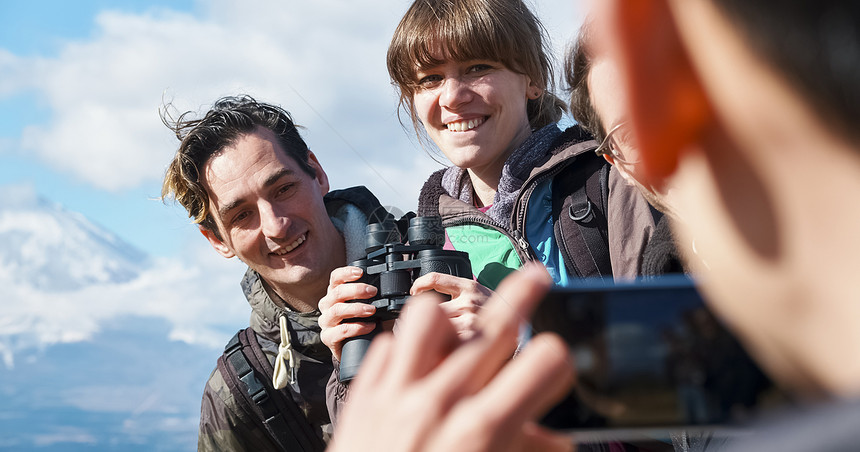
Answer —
577 66
229 119
815 45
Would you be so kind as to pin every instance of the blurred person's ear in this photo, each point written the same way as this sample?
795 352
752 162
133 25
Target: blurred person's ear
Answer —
668 107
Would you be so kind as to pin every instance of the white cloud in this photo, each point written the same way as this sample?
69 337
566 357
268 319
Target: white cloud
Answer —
64 435
15 78
323 60
200 298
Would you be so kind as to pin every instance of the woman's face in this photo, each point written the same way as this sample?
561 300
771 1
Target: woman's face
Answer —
475 111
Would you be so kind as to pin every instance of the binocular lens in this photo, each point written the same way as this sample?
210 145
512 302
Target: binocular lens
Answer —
380 234
426 231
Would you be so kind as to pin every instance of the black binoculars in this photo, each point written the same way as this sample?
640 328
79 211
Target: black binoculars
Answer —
392 266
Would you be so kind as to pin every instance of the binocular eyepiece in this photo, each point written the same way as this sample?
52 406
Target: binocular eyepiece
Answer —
392 266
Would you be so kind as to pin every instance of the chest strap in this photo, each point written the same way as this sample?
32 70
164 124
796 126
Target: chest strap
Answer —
292 432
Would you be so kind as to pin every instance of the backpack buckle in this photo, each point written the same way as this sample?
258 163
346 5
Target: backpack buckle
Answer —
581 213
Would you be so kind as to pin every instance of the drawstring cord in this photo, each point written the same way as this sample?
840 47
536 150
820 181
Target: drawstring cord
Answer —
284 375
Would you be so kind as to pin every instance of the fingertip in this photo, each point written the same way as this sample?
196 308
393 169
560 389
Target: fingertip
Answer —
355 329
555 351
344 274
419 304
370 290
536 272
419 284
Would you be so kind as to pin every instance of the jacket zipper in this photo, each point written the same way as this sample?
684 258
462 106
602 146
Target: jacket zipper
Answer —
520 213
524 251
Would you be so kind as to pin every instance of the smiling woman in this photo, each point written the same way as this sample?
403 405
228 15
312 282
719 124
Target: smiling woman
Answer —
476 78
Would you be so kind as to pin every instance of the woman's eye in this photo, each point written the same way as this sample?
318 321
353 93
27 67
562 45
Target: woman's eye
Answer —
478 68
429 81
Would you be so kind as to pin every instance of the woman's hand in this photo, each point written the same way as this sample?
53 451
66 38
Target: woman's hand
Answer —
335 309
467 297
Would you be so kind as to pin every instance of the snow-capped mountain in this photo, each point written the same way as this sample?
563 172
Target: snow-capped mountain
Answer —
47 247
102 347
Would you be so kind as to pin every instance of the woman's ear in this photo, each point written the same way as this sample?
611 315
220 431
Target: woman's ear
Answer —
668 107
533 91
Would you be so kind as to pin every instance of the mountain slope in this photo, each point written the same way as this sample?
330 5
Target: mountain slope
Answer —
47 247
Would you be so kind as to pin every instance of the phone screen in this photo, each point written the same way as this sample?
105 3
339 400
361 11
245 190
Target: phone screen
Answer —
650 354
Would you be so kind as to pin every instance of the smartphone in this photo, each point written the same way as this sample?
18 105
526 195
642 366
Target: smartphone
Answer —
650 358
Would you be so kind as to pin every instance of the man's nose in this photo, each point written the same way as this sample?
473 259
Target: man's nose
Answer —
273 221
455 92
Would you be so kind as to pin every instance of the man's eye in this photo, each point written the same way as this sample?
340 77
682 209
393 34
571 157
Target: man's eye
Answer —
242 216
284 189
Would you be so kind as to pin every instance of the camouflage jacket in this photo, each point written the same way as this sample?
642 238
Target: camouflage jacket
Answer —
223 424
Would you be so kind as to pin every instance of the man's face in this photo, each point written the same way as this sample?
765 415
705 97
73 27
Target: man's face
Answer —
270 213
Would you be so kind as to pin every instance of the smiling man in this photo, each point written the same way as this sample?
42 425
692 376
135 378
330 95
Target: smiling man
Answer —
246 176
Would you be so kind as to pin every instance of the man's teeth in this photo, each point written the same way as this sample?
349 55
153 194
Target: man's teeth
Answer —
291 246
462 126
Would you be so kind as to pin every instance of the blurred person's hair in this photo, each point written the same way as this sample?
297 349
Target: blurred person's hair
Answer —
505 31
577 66
814 45
229 119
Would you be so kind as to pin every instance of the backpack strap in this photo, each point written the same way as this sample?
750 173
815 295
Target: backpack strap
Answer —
249 377
579 204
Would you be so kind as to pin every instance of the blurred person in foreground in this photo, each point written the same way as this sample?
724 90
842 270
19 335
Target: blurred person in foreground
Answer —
598 104
749 110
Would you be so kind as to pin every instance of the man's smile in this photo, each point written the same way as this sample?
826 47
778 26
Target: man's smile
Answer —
286 249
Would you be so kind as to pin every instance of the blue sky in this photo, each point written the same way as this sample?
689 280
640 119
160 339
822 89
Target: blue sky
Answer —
42 27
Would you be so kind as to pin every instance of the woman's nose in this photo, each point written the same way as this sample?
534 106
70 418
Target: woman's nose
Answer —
455 92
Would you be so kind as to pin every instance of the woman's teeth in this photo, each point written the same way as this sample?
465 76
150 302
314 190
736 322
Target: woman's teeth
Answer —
462 126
